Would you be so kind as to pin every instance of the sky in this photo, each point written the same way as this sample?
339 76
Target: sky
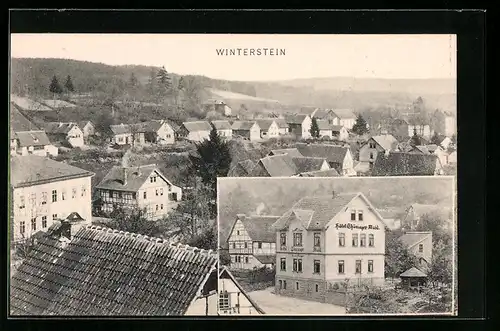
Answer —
306 56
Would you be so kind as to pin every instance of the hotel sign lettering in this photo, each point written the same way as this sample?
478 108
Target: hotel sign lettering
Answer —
352 226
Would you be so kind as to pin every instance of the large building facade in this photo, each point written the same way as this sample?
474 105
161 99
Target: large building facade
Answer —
321 241
44 191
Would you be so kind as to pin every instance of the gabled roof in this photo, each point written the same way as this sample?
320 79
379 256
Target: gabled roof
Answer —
321 173
241 169
33 169
32 138
224 273
296 119
59 127
259 228
315 211
281 122
221 125
151 126
386 141
404 164
413 272
197 126
293 152
109 272
422 149
331 153
82 124
266 259
276 166
136 177
18 122
264 124
344 113
320 113
410 239
243 125
120 128
307 164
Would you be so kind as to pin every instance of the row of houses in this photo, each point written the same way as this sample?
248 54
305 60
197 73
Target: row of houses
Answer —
319 241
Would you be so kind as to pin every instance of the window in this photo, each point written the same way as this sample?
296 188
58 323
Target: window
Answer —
145 195
156 207
44 222
317 266
353 215
246 245
297 265
297 239
317 288
161 191
63 197
22 203
372 144
161 206
22 227
294 266
281 284
33 199
360 215
317 241
224 300
283 264
120 195
283 238
54 217
371 240
370 265
153 179
246 259
73 193
362 240
355 240
341 239
358 267
341 266
33 224
156 192
420 248
44 198
234 245
371 155
284 284
84 191
259 245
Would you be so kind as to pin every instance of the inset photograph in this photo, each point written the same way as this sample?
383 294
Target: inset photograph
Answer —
337 246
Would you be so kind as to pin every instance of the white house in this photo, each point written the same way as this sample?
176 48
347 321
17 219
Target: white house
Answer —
323 240
195 130
32 142
419 243
127 134
223 129
143 187
68 132
43 191
340 132
268 128
251 242
157 131
299 125
344 117
87 127
233 299
246 129
369 151
282 126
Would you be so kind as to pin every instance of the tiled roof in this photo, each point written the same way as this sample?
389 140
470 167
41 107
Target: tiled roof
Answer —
18 122
197 126
149 126
293 152
59 127
386 141
404 164
32 138
321 173
32 169
282 124
264 124
295 119
136 177
107 272
410 239
320 113
241 169
331 153
242 125
275 166
308 164
344 113
321 209
259 228
266 259
413 272
221 125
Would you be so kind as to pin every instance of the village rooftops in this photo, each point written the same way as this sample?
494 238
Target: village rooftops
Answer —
315 212
281 122
128 179
386 141
259 228
241 169
265 124
32 138
195 126
308 164
344 113
296 118
410 239
405 164
243 125
278 166
59 127
102 271
33 170
332 153
293 152
221 125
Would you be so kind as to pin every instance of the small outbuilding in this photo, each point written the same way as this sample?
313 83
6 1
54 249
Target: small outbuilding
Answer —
413 278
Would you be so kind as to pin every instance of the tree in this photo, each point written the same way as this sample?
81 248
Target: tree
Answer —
163 79
435 139
398 259
415 139
69 85
134 220
314 128
213 160
207 239
360 127
55 87
441 266
191 90
103 124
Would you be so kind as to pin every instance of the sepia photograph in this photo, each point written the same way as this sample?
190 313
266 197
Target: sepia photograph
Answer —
338 246
124 149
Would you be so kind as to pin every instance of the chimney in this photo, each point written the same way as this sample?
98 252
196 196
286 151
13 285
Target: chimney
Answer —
124 174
